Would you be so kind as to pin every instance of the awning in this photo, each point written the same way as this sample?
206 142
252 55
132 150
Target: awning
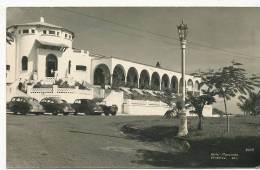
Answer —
52 45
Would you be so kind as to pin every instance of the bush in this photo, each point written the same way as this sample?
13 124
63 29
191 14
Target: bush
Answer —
58 82
65 84
39 85
216 111
80 85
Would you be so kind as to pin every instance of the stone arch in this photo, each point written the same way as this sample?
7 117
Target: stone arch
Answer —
102 75
174 84
132 78
118 77
190 85
51 65
144 81
155 81
165 82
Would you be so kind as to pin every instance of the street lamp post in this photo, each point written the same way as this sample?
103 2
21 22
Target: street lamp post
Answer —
183 31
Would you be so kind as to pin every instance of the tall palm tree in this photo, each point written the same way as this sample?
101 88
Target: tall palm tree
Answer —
248 105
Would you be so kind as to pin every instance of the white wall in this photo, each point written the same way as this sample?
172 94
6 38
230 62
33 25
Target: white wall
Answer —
11 60
207 111
116 98
80 59
68 94
144 110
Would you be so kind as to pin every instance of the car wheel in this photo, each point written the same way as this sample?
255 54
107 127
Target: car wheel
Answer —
106 113
75 113
24 111
55 113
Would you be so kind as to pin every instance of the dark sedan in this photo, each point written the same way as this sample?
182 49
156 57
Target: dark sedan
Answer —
23 105
109 110
87 106
56 105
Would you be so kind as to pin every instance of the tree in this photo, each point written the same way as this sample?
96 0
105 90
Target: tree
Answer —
227 82
158 64
117 82
248 105
173 101
198 102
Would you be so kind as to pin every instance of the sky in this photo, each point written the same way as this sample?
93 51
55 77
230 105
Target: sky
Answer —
216 36
149 34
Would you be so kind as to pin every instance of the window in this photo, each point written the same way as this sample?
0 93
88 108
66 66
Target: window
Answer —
69 36
25 31
58 33
33 31
44 31
19 31
7 67
52 32
81 67
24 63
66 35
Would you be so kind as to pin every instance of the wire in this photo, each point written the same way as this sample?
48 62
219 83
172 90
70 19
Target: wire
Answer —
160 35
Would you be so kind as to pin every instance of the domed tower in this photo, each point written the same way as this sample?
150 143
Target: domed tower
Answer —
37 48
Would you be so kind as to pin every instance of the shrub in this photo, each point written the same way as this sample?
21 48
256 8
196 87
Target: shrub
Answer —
218 112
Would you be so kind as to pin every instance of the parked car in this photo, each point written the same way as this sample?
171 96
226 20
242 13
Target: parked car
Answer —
23 105
109 109
56 105
87 106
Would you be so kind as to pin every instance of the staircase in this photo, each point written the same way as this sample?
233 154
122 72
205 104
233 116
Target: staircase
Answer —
12 90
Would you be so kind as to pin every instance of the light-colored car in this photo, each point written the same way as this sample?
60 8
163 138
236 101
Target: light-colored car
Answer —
24 105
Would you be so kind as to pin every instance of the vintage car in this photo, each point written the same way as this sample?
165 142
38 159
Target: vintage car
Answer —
109 110
24 105
56 105
89 107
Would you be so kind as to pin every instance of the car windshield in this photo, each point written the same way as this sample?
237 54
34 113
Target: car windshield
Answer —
18 99
77 101
63 101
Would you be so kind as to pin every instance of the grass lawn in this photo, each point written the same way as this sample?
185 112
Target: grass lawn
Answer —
129 142
211 147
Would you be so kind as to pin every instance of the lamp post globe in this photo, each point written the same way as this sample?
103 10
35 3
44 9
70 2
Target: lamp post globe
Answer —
183 31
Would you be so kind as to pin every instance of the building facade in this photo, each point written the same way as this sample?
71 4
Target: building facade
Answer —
42 54
42 51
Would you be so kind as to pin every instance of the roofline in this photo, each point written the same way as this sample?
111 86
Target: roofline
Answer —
103 56
39 25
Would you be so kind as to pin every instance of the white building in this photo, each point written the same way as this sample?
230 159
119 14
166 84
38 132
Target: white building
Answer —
43 52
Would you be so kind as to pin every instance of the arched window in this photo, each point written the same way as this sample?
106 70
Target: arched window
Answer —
24 63
51 65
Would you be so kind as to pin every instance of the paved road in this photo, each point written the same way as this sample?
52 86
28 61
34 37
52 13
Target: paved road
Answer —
71 142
